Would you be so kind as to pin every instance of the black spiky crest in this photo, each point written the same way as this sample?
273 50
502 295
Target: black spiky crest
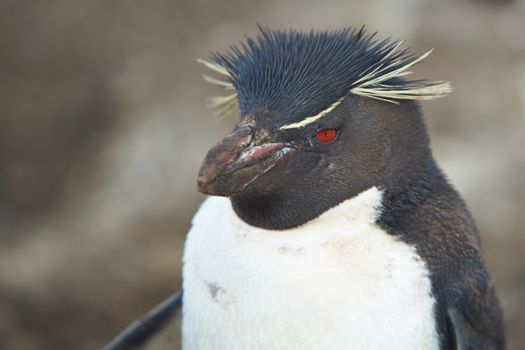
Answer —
298 74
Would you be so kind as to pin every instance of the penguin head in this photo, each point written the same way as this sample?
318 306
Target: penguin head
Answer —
323 117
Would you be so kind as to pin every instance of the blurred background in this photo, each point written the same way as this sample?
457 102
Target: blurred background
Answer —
103 125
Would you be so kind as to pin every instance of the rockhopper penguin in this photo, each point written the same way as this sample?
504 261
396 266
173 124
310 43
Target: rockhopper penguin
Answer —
329 225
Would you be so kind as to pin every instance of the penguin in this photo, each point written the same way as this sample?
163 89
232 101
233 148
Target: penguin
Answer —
329 224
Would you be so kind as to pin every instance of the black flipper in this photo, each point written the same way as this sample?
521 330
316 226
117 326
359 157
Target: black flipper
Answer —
475 324
465 338
142 330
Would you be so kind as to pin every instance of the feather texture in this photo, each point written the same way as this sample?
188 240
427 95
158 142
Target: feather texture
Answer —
298 74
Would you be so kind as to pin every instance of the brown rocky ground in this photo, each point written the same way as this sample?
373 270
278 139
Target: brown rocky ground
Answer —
103 126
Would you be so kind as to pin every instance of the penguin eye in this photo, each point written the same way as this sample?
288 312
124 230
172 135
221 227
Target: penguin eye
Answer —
326 135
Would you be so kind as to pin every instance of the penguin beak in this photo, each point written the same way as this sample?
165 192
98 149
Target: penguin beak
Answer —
238 161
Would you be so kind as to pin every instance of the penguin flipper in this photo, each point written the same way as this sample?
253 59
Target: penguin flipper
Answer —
466 338
148 330
470 330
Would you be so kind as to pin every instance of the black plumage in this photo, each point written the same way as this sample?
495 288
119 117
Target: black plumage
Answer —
297 74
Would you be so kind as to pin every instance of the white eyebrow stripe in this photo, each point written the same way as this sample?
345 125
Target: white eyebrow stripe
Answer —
314 118
215 67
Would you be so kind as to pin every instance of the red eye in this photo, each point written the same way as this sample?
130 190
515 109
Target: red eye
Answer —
326 135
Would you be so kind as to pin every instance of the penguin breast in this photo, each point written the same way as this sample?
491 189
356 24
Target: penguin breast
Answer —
337 282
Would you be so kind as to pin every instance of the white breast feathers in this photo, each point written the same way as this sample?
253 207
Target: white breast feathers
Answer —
336 282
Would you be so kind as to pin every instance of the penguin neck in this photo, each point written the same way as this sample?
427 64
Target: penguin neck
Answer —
276 212
402 197
405 190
